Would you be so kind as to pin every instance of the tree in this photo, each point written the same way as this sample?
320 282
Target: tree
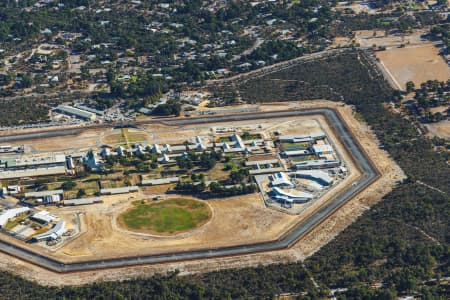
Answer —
81 193
69 185
410 87
27 80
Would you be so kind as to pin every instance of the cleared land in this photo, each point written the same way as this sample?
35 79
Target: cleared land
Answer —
165 217
416 64
440 129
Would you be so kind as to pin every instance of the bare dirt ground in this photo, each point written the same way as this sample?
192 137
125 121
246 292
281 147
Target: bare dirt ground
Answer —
418 64
368 38
440 129
83 140
235 221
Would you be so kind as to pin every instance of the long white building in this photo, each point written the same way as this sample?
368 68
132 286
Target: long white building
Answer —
9 214
285 196
79 113
316 175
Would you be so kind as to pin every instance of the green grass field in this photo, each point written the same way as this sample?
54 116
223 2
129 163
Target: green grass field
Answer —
294 146
166 217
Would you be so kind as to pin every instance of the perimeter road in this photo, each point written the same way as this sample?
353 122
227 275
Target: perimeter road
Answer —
369 174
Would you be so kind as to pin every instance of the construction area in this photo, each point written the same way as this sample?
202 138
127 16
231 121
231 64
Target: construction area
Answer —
276 173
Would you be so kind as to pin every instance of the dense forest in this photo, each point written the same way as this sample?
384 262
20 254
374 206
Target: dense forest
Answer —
399 247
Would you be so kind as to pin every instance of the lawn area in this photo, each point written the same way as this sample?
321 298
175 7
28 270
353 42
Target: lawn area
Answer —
294 146
303 158
250 136
166 217
224 139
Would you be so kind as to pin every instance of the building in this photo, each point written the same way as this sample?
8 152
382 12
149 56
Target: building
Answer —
10 190
238 143
92 161
322 149
43 194
302 137
82 201
76 112
46 197
165 159
295 153
29 166
281 179
290 197
12 149
7 215
70 164
317 164
318 176
43 217
119 190
120 151
167 148
105 152
159 181
156 149
56 232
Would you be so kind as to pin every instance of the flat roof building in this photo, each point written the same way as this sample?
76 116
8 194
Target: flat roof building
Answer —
302 137
57 231
119 190
43 217
317 164
295 153
280 179
9 214
317 175
322 149
290 197
160 181
43 193
82 201
76 112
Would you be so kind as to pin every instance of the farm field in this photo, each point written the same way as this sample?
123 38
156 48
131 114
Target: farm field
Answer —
165 217
417 64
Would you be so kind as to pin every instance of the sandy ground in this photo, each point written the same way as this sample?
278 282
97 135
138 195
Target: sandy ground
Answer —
262 218
440 129
367 38
418 64
84 140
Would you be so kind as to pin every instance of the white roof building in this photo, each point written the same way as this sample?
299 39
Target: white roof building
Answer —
159 181
280 179
43 217
317 175
119 190
43 193
167 148
238 141
9 214
298 197
156 149
52 234
323 149
69 110
302 137
296 153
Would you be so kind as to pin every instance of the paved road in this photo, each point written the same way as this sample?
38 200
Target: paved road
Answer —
287 240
